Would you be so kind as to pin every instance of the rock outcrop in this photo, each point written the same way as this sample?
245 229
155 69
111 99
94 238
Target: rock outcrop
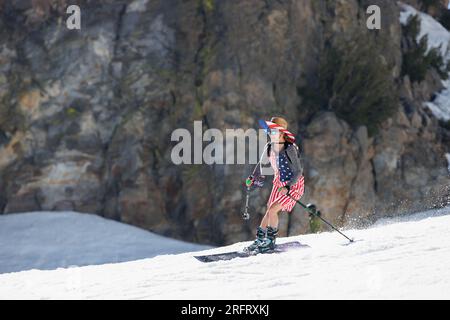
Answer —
86 115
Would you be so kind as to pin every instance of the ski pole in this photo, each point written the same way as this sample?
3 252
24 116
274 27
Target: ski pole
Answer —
313 211
246 215
260 159
249 182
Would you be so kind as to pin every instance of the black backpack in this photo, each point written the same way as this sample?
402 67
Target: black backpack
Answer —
286 145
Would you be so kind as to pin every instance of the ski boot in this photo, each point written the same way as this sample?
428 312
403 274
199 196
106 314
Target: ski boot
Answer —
268 244
260 236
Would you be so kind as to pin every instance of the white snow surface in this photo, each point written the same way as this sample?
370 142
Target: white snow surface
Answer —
50 240
437 36
447 156
402 258
440 107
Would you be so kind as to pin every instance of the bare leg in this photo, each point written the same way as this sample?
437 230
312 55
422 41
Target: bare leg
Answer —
265 220
271 216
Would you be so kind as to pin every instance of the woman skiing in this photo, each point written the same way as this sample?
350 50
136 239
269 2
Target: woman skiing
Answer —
284 156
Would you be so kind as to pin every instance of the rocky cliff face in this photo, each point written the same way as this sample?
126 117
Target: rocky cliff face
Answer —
86 116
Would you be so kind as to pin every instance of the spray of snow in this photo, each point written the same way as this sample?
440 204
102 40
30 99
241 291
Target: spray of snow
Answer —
438 36
404 258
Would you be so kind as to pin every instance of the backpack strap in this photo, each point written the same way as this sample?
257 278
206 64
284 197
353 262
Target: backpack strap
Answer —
286 145
296 148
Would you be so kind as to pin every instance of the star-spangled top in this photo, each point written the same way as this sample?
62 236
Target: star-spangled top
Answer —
284 168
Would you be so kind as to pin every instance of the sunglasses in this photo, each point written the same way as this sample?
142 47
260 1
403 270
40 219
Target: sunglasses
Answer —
272 132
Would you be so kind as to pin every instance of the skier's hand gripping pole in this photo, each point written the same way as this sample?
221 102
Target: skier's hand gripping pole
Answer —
249 181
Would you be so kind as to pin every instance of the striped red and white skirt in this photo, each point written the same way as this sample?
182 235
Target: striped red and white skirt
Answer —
295 192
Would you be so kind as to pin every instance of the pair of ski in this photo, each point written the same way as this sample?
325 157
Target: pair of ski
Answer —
279 248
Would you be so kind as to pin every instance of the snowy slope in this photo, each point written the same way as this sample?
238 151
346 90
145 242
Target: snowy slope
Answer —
48 240
438 36
403 258
441 104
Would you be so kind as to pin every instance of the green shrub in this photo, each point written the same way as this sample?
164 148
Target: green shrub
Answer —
435 60
445 124
72 112
412 27
354 82
416 60
315 224
426 4
414 63
445 19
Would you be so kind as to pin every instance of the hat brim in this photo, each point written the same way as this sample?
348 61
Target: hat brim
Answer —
263 124
271 125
